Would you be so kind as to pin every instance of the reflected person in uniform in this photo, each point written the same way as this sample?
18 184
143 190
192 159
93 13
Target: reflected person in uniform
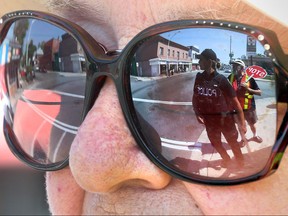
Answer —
213 96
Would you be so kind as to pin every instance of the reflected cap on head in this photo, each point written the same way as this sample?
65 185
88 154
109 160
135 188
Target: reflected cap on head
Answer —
239 62
208 54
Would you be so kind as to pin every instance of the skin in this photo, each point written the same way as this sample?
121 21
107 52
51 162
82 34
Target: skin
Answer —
108 174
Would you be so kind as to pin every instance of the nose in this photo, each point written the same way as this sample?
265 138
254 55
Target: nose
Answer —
104 156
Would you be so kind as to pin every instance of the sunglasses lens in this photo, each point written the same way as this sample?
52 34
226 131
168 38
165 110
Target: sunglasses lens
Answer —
45 75
167 95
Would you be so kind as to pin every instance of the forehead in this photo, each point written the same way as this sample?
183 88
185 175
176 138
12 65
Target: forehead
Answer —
115 23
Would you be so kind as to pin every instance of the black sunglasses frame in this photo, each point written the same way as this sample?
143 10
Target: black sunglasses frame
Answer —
116 65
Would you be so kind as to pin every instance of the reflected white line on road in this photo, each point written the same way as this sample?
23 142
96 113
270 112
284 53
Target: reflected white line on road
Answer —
68 94
58 146
163 102
61 125
176 142
185 148
65 127
173 146
35 137
180 145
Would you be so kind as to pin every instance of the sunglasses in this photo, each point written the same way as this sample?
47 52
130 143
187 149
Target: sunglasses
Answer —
52 71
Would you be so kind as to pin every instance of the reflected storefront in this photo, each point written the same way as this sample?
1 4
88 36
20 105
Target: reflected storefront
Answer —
161 55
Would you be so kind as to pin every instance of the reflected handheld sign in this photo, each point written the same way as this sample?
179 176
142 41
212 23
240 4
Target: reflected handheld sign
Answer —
256 71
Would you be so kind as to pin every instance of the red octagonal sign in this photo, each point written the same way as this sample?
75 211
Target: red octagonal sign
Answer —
256 71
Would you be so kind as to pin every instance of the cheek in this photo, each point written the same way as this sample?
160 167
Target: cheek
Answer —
64 196
268 196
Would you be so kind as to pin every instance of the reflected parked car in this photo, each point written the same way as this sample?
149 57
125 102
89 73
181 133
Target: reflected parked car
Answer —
227 71
270 71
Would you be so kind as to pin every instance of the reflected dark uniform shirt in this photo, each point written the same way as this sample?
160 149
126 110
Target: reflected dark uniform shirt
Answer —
212 94
211 100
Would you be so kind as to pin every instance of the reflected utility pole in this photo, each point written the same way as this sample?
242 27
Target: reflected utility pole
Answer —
28 42
231 54
167 60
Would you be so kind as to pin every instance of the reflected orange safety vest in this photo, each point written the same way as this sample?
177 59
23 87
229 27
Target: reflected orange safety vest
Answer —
245 98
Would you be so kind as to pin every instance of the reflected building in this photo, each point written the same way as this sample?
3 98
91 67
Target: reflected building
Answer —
36 59
193 51
65 55
252 58
71 55
10 51
260 60
160 55
49 60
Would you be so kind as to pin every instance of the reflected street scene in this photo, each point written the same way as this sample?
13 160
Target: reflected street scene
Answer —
45 75
193 90
163 77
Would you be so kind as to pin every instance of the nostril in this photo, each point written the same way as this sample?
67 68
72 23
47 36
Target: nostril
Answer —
140 183
104 156
101 169
107 176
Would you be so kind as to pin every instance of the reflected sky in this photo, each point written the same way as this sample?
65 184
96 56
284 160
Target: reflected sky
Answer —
216 39
44 31
39 31
202 38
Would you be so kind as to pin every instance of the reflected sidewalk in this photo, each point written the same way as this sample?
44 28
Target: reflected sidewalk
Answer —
266 126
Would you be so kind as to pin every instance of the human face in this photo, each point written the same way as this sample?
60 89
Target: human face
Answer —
237 69
205 64
120 179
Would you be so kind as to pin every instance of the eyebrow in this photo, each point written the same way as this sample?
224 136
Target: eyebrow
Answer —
96 13
68 7
56 4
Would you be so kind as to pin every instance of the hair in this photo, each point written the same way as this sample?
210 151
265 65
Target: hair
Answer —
68 7
216 64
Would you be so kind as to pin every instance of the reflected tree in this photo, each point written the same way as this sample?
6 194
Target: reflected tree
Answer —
31 50
20 30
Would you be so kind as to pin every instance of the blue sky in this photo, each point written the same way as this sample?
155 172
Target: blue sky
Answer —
216 39
43 31
39 31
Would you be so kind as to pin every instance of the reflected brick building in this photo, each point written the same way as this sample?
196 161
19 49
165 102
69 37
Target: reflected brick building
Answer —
49 60
71 55
65 55
160 55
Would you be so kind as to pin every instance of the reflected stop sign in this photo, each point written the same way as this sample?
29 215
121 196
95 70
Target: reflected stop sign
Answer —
256 71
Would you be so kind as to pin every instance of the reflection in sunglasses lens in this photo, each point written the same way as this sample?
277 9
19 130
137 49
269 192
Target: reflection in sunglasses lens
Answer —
45 73
188 87
191 107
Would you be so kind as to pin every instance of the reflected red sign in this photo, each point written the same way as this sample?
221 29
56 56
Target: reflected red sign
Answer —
256 71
